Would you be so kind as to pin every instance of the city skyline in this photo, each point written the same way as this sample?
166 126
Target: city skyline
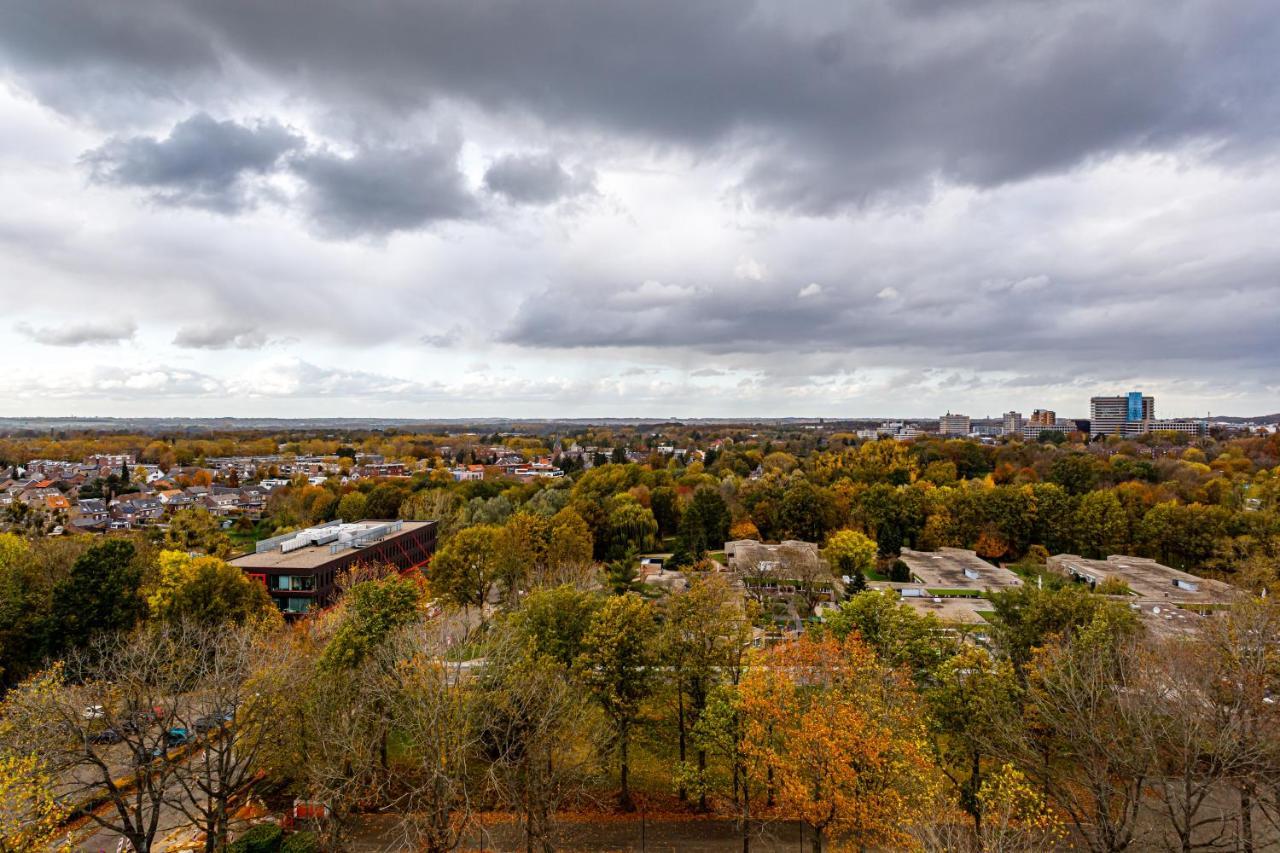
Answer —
530 211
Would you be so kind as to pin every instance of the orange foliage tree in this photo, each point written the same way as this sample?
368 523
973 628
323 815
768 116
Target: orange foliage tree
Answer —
838 738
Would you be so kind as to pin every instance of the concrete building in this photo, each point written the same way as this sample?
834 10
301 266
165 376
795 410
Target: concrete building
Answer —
1190 426
300 570
950 424
1012 423
1120 415
1146 579
954 569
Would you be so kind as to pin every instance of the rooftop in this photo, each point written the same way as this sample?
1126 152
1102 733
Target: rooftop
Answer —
1147 579
957 568
315 546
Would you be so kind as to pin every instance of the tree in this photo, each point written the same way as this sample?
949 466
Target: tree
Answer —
555 622
853 555
30 814
1075 472
100 594
631 527
569 549
206 591
844 738
806 511
1027 617
1100 524
972 700
351 506
898 634
371 612
529 717
465 569
196 530
617 666
26 599
704 633
1083 743
238 720
137 686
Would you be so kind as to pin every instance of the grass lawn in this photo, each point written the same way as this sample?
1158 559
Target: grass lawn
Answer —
873 575
955 593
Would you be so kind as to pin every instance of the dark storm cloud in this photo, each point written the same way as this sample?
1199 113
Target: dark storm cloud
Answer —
824 104
1069 323
94 332
535 179
377 191
202 163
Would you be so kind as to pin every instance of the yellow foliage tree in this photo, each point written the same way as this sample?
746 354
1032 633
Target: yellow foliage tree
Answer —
30 815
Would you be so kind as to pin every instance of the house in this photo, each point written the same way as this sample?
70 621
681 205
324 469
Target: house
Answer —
92 509
175 499
223 503
137 510
57 503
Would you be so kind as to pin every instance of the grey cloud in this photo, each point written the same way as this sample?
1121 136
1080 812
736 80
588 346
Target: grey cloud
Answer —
202 163
99 332
536 179
378 191
823 104
220 337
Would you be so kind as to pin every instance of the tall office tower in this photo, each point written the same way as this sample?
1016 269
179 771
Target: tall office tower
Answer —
950 424
1012 423
1126 413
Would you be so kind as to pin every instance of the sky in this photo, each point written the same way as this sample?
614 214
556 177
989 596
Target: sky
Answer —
847 208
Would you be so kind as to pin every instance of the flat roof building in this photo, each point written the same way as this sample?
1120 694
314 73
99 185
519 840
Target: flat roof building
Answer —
1146 579
300 570
1119 414
957 568
950 424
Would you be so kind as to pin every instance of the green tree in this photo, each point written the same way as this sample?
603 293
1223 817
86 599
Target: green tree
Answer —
1075 472
555 621
898 635
618 666
1100 524
466 568
807 511
371 611
101 594
632 527
705 634
1027 617
973 698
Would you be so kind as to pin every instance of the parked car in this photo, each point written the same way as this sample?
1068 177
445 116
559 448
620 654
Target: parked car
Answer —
177 737
94 712
208 724
106 736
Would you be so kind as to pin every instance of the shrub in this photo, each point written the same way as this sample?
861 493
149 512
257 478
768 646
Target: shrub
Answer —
900 572
263 838
301 842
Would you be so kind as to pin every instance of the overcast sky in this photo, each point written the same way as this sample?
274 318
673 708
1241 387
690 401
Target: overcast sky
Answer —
661 208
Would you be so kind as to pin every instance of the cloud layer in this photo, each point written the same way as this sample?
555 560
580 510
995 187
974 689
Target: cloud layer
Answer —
811 207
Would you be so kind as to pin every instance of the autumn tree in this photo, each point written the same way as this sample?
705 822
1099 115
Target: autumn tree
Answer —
844 738
208 591
704 634
853 555
617 665
196 530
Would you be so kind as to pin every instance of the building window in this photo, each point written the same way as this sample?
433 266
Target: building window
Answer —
297 605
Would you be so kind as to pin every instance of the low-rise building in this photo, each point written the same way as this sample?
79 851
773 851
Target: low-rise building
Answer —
300 570
955 569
